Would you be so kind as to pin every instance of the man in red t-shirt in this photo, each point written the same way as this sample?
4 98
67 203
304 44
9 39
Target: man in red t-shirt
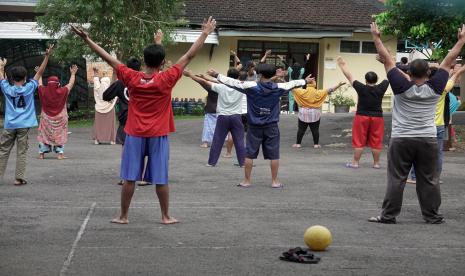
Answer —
150 118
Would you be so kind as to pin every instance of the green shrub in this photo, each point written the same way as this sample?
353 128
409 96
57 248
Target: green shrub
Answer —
197 111
179 111
338 98
81 114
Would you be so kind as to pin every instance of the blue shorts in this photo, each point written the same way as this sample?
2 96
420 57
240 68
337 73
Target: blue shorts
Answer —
266 136
157 149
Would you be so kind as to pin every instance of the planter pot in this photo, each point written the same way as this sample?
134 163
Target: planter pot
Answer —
341 108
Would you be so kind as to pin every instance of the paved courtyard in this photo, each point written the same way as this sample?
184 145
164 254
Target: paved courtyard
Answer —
59 223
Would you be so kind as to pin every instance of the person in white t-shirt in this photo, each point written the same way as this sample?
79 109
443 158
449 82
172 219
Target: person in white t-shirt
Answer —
229 110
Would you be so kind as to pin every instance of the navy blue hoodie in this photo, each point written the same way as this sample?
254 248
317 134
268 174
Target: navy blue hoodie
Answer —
262 98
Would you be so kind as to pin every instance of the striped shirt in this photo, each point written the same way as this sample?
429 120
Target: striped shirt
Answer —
309 115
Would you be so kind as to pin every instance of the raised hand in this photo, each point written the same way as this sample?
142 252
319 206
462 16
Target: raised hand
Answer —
73 69
213 73
268 52
3 62
307 56
187 72
158 37
461 33
309 78
80 32
209 25
233 53
340 61
375 30
49 50
380 59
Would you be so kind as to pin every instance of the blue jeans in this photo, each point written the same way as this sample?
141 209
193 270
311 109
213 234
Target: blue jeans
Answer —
44 148
440 133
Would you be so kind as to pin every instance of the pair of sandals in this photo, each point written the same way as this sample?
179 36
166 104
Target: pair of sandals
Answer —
299 255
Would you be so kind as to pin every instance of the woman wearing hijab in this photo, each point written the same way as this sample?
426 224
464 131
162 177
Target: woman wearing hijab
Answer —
53 127
105 122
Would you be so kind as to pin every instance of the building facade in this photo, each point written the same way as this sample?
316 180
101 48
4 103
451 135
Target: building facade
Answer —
324 28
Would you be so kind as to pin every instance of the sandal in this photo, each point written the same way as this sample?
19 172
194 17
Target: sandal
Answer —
20 182
379 219
351 166
298 255
241 185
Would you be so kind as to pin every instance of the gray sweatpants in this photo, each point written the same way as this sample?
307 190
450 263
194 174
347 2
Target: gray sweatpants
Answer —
7 141
423 154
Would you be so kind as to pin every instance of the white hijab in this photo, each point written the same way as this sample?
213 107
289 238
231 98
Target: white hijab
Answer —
100 85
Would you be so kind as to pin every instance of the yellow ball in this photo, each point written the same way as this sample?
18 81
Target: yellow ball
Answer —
317 238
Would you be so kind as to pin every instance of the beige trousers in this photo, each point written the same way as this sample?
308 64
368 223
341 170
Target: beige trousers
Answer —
7 141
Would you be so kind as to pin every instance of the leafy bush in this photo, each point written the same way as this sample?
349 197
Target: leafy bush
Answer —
81 114
179 111
338 98
197 111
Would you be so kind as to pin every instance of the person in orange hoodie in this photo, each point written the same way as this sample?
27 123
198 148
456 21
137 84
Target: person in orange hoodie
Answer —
310 100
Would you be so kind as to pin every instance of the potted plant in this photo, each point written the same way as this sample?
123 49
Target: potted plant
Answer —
341 103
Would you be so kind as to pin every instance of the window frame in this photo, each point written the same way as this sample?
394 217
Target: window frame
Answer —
360 52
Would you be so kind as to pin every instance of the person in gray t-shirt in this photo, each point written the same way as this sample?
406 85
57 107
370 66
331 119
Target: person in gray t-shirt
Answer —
413 139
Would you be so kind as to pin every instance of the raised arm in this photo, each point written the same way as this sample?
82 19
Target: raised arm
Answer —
382 50
283 60
3 62
267 54
236 84
336 87
208 26
97 83
158 37
237 61
73 70
40 79
295 83
204 83
455 51
42 67
113 62
345 70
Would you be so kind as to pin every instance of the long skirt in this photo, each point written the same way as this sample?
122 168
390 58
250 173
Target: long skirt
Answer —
53 130
104 127
209 124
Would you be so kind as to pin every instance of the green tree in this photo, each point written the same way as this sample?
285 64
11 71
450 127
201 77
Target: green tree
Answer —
428 23
121 26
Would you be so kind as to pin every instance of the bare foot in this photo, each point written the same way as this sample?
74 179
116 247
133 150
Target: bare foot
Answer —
317 146
296 146
227 155
169 220
41 156
61 156
120 221
276 184
204 145
244 184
